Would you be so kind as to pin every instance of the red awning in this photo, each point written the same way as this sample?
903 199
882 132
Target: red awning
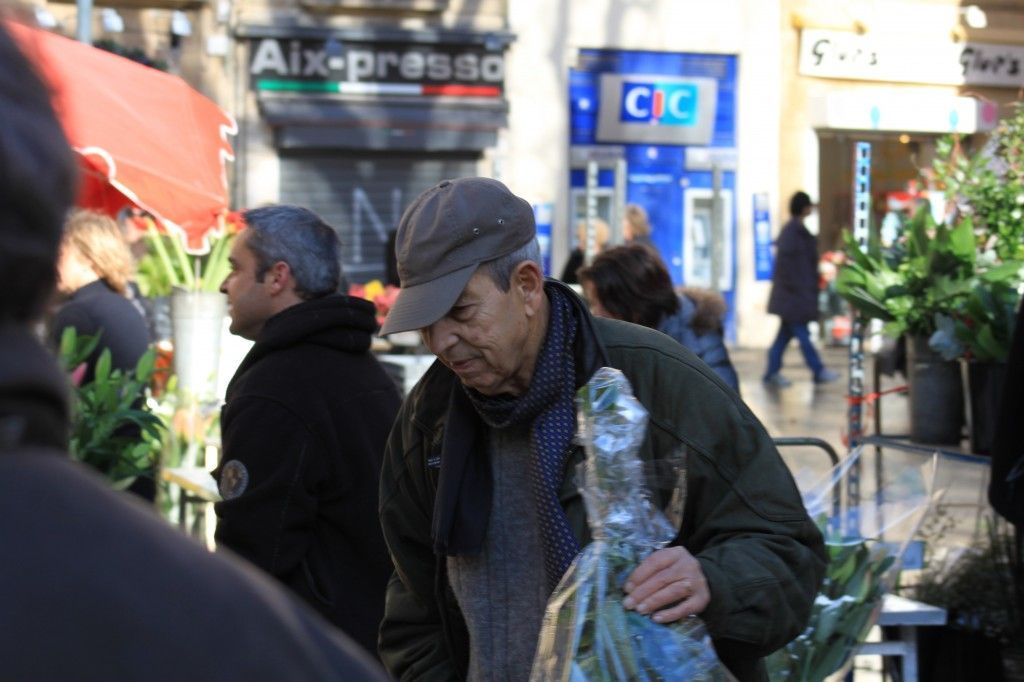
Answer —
145 138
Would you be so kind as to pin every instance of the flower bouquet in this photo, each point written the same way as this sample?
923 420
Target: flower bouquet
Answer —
865 540
170 264
587 634
381 295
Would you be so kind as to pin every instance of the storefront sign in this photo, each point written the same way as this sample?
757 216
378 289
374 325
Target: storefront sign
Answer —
892 109
849 55
762 239
659 103
352 67
656 109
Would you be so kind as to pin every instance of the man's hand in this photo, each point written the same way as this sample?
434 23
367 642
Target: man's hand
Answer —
668 577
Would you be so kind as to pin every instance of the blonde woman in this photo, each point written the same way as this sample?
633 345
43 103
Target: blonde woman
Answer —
94 270
601 235
636 228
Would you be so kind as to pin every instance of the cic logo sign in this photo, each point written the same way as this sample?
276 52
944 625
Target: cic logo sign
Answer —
673 104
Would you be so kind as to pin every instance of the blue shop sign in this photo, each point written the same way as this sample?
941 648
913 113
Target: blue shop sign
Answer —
763 262
673 104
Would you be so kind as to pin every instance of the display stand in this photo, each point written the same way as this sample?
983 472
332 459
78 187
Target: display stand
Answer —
855 409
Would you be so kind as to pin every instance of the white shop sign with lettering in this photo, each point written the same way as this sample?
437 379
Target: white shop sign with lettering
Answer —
850 55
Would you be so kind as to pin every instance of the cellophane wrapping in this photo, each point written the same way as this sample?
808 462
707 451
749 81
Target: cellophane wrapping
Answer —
865 538
587 634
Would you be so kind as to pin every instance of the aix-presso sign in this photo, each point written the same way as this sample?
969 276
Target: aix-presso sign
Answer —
348 67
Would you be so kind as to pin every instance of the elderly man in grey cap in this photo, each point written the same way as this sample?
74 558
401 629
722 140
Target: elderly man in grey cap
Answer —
479 502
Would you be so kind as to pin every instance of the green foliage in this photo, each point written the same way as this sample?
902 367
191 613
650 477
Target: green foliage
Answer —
989 186
167 265
110 430
957 285
843 612
981 327
906 286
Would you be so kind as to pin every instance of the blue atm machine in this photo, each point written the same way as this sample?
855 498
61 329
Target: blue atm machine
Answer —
662 129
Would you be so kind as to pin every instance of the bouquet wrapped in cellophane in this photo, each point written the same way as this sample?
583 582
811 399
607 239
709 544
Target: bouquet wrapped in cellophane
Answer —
587 634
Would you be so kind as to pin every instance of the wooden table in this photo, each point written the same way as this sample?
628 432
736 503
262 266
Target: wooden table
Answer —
198 488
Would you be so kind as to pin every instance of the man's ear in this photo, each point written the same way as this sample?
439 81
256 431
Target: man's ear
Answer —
528 280
279 278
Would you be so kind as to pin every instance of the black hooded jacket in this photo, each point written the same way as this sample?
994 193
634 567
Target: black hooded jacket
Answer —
304 427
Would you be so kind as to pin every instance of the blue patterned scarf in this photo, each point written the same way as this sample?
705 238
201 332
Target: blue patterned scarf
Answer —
548 406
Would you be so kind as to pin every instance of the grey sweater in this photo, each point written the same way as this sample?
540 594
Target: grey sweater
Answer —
502 592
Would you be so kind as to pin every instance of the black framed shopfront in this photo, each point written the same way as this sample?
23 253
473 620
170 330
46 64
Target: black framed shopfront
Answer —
364 119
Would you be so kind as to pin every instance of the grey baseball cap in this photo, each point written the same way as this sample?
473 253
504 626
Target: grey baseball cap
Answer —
444 235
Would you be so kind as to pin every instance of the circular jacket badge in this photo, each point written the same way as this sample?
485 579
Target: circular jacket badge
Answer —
234 479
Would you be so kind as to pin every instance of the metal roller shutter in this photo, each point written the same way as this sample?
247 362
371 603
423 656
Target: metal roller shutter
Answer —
363 196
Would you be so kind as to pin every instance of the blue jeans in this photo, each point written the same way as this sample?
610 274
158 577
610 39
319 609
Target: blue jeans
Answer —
787 330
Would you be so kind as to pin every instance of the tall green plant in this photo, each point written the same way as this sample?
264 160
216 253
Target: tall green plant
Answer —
924 274
167 265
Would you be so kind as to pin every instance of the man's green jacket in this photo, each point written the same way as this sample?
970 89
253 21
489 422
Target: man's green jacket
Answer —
743 518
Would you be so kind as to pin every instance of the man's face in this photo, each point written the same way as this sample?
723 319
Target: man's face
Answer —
483 338
249 301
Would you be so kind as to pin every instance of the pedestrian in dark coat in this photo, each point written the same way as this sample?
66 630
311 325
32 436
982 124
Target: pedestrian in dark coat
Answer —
480 500
794 295
93 585
306 418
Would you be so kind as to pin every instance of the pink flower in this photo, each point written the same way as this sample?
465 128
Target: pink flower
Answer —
78 373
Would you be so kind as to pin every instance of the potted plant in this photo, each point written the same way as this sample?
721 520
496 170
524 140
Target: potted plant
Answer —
926 273
112 430
978 332
989 187
982 590
197 308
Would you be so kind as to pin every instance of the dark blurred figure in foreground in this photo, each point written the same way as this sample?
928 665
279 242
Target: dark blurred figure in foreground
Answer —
1006 487
631 283
95 587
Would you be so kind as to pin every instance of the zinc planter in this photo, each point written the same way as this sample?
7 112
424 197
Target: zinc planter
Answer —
197 318
983 384
936 395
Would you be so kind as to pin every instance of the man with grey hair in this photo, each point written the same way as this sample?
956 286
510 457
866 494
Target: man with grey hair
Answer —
305 422
479 499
